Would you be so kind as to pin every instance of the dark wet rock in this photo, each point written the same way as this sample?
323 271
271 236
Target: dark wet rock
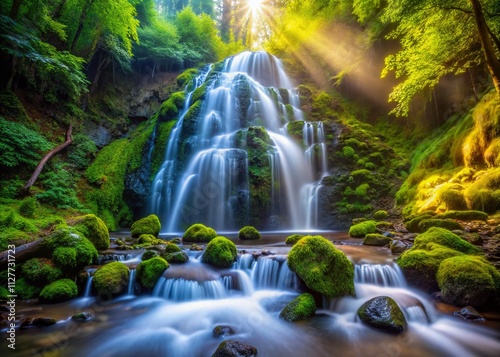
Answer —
148 254
176 241
195 247
491 249
410 236
82 316
223 331
398 247
232 348
383 313
469 313
38 322
267 253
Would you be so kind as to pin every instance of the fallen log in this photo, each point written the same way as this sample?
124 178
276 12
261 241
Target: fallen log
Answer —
22 253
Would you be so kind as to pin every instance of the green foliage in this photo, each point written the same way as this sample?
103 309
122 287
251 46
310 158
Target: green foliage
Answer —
85 251
59 188
40 271
348 152
148 254
58 291
323 268
25 290
362 229
12 236
147 225
199 233
464 215
94 229
28 207
220 252
146 238
171 107
81 152
149 271
445 238
484 193
65 257
20 146
248 233
186 77
375 239
111 279
302 307
450 225
294 238
380 215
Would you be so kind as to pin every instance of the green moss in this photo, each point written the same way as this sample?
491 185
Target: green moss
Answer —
176 258
464 215
40 271
94 230
361 229
450 225
294 238
58 291
65 257
199 233
25 290
323 268
148 225
413 225
146 238
295 129
171 107
384 225
444 238
248 233
28 207
220 252
185 77
149 271
13 236
148 254
348 152
302 307
375 239
484 193
467 280
111 279
384 313
380 215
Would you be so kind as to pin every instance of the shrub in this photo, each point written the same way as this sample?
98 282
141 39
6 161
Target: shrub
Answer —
323 268
302 307
294 238
380 215
40 271
111 279
148 225
81 153
149 271
58 291
220 252
361 229
248 233
199 233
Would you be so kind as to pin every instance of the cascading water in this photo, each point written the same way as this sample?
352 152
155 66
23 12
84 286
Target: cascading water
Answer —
230 161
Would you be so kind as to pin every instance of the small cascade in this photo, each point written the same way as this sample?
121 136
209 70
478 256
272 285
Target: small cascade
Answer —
179 289
131 282
379 274
267 272
88 287
107 258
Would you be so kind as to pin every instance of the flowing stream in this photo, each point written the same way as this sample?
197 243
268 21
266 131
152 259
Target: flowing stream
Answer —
190 300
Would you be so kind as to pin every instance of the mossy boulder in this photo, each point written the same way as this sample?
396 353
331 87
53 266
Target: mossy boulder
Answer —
148 254
448 224
383 313
412 225
299 308
375 239
147 225
360 230
199 233
464 215
248 233
94 229
146 239
111 279
467 280
175 255
25 290
294 238
58 291
220 252
40 271
324 268
380 215
149 271
444 237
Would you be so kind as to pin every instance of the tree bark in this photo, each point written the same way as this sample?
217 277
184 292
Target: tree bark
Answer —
47 157
81 22
492 61
14 10
23 253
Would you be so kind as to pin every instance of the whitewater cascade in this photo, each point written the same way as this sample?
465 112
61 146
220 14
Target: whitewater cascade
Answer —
231 159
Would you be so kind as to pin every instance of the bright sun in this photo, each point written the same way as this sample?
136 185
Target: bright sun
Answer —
255 4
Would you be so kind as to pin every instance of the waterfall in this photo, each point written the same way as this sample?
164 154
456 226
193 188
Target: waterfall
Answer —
106 258
131 282
188 290
379 274
229 162
88 286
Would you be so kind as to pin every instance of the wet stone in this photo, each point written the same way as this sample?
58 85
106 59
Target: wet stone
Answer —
469 314
232 348
223 331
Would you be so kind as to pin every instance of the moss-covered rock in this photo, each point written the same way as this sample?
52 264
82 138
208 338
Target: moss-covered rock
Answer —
383 313
464 215
375 239
65 257
94 229
362 229
175 255
148 254
220 252
149 271
248 233
58 291
199 233
412 225
40 271
146 238
443 237
294 238
323 268
25 290
467 280
299 308
147 225
111 279
448 224
380 215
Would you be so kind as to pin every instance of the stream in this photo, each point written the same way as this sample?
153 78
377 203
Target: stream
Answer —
178 318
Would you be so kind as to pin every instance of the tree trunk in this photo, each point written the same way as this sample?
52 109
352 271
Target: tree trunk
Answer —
47 157
23 253
492 61
14 10
81 21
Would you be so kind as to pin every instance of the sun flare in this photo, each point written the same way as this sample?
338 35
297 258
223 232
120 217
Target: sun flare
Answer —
255 5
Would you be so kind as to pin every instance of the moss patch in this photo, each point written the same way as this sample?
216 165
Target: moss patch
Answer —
362 229
323 268
375 239
58 291
445 238
248 233
448 224
380 215
149 271
464 215
299 308
40 271
199 233
220 252
148 225
111 279
94 229
294 238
